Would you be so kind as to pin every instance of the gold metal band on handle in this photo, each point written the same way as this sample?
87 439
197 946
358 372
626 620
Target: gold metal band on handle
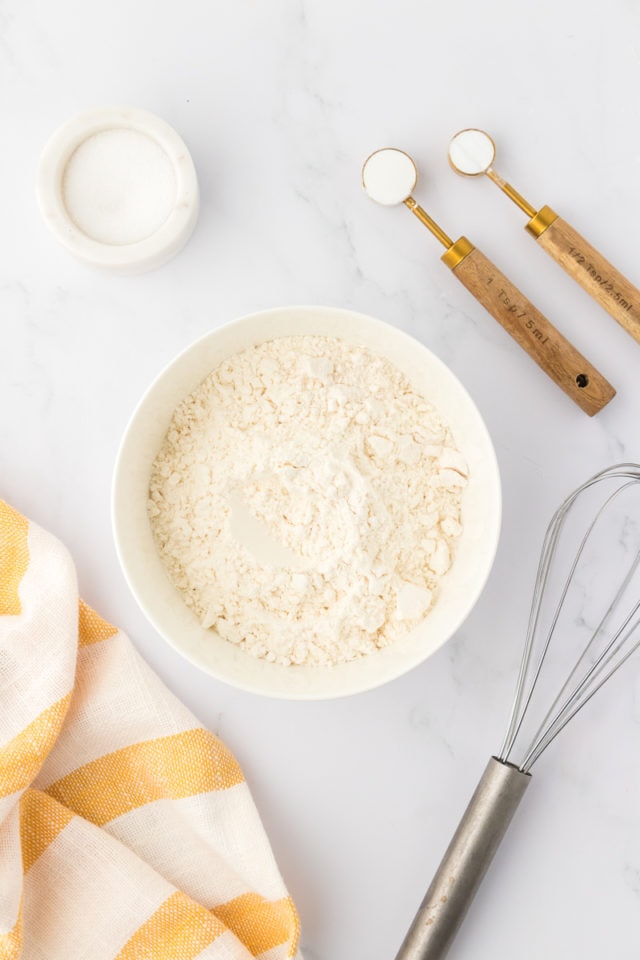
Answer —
457 252
542 219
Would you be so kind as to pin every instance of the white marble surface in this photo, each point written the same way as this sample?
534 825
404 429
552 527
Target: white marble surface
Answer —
279 104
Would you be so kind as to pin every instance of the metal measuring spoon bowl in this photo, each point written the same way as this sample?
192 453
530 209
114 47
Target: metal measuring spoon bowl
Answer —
389 176
472 152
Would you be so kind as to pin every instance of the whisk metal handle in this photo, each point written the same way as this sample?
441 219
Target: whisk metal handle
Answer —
465 863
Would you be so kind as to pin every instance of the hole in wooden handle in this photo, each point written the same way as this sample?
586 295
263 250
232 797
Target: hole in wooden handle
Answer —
582 380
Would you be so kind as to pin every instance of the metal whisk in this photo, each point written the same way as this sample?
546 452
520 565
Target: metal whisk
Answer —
597 643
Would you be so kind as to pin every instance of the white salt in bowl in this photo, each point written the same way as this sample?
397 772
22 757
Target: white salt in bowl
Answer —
147 575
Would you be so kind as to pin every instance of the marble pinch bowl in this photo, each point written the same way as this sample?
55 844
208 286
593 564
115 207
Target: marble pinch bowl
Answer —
146 574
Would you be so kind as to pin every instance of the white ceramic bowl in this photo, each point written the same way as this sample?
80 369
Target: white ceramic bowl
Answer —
105 189
146 574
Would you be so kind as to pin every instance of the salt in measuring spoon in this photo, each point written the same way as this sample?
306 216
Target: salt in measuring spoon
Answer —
389 176
472 153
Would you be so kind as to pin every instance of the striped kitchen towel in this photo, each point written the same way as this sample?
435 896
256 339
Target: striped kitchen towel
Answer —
127 830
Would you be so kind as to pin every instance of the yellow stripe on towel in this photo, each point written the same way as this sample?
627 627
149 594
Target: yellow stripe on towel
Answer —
41 820
261 924
180 928
14 558
21 758
91 627
169 767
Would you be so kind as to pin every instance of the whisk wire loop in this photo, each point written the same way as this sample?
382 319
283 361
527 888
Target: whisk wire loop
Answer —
582 682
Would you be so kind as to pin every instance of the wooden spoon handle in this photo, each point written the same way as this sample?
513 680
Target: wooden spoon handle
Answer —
595 274
551 351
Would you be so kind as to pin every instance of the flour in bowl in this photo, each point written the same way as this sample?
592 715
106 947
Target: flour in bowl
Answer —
306 501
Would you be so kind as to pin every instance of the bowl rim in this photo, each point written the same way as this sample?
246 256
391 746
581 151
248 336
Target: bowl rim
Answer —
398 669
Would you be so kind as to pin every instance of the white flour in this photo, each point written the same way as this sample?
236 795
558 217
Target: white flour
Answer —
306 501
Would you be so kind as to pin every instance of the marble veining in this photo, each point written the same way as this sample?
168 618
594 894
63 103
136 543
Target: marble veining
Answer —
280 104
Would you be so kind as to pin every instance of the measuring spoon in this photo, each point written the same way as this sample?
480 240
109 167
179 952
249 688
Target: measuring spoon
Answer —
472 152
389 177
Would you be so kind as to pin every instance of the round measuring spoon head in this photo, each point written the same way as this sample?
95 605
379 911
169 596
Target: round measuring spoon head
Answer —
389 176
472 152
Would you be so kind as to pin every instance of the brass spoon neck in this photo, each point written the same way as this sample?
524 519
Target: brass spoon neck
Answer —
513 194
430 224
